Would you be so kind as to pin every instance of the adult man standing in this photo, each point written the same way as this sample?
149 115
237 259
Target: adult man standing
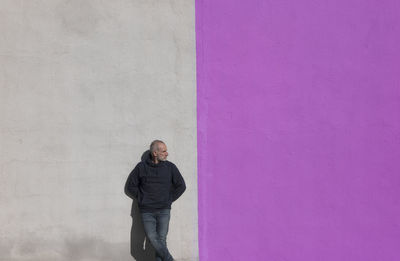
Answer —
155 183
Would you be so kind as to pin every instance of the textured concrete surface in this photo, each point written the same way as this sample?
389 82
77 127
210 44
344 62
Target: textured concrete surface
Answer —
303 100
85 86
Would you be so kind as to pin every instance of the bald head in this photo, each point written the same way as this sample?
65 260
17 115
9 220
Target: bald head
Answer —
158 151
154 145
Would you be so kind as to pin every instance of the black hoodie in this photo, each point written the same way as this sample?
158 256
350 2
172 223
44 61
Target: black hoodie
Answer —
154 186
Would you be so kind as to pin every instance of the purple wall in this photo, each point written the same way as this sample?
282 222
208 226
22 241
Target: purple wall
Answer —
298 130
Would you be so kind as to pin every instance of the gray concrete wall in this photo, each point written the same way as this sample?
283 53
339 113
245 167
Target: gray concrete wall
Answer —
85 86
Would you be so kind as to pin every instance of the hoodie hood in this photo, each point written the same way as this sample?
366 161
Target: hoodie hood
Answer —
146 158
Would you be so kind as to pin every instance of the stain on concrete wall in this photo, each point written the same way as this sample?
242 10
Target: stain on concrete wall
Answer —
85 87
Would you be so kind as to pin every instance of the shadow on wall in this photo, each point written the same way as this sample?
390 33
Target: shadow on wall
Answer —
141 249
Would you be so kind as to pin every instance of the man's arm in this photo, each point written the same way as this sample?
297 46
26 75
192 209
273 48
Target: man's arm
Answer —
132 183
178 183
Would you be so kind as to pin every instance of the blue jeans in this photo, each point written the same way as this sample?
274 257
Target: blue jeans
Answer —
156 227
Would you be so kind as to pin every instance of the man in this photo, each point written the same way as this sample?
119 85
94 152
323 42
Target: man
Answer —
155 183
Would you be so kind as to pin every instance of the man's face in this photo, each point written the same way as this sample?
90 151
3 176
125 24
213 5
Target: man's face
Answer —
161 153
